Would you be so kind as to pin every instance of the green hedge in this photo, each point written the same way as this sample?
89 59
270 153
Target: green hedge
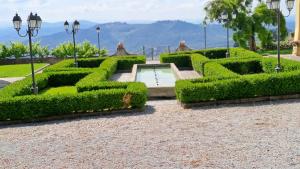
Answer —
67 78
198 62
17 102
23 87
90 62
269 65
212 69
68 65
34 107
180 60
248 86
127 62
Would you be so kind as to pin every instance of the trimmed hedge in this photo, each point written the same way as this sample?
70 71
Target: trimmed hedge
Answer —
127 62
198 62
179 59
34 107
248 86
212 69
17 102
89 65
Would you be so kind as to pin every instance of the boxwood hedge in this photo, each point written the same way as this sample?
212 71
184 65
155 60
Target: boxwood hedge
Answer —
244 75
17 102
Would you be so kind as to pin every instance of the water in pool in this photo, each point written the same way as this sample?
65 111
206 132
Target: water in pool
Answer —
156 76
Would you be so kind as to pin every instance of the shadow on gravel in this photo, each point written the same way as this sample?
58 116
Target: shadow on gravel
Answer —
148 110
249 105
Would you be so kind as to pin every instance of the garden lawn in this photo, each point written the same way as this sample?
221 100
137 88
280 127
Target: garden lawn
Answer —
274 52
60 90
20 70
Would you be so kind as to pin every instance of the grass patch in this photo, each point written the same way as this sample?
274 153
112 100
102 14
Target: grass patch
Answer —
60 90
20 70
274 52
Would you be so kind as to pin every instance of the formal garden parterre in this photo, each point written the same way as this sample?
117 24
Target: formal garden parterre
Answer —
91 90
244 75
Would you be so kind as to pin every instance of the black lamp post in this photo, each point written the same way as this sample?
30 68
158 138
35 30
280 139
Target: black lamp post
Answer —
226 20
34 23
204 27
75 29
275 5
98 33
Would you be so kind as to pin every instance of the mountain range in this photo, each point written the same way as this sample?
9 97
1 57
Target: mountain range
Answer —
159 35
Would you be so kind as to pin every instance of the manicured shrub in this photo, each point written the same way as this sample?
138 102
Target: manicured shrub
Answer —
213 69
90 63
67 78
127 62
35 107
242 67
269 65
180 59
23 87
198 62
247 86
92 81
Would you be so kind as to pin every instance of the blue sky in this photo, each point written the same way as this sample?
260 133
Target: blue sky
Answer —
105 10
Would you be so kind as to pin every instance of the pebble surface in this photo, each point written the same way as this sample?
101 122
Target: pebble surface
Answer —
264 135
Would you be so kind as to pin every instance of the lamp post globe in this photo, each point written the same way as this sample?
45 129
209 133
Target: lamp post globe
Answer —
17 21
66 25
76 26
275 4
290 4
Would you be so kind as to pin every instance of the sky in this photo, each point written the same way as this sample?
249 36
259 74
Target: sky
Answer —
102 11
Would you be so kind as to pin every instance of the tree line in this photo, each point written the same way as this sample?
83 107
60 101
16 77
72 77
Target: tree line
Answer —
63 50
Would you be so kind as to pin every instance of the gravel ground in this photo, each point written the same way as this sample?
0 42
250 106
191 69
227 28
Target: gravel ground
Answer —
265 135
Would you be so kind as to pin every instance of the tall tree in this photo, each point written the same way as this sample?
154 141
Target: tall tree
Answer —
249 23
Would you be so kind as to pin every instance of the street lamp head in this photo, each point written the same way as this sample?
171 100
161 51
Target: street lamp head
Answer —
275 4
98 29
76 25
32 21
269 4
38 21
290 4
234 15
17 21
224 16
66 25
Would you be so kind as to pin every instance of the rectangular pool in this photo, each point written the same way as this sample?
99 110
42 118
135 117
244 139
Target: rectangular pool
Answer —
156 76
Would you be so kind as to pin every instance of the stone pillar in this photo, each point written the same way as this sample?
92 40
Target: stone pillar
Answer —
297 30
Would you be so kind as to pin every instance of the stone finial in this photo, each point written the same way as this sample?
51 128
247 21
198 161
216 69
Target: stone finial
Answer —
121 51
183 47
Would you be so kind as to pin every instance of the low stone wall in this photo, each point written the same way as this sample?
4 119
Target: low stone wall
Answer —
50 60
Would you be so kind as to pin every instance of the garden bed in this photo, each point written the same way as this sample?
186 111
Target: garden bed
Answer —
66 90
245 76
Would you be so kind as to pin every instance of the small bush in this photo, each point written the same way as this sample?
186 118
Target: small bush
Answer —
127 62
216 70
180 60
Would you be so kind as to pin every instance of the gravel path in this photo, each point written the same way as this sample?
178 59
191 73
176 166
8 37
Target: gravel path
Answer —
265 135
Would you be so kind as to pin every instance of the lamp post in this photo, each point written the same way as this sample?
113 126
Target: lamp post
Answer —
226 20
75 29
275 5
98 33
204 27
34 23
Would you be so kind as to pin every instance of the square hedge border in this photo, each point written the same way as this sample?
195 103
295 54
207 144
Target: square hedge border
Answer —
234 78
17 102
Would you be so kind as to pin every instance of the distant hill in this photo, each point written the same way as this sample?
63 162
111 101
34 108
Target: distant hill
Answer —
158 35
